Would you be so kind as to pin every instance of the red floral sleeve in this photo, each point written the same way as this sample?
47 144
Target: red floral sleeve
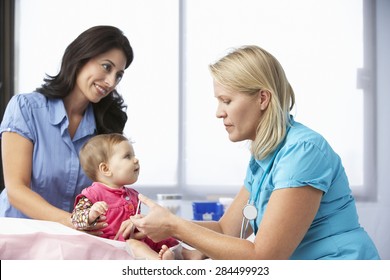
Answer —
80 213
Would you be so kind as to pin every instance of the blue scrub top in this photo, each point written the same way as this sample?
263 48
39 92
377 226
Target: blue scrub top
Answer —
56 172
305 158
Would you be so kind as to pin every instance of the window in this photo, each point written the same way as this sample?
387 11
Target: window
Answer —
181 145
321 50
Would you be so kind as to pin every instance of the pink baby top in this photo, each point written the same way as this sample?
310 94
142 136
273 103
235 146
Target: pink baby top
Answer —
122 203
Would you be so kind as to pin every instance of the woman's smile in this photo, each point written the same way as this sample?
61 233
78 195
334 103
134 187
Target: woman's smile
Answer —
101 90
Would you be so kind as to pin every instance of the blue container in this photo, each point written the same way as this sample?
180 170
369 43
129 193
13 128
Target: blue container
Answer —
207 211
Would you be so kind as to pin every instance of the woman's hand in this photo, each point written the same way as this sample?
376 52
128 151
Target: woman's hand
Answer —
126 230
94 229
157 224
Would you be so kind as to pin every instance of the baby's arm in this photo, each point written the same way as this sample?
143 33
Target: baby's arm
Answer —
86 213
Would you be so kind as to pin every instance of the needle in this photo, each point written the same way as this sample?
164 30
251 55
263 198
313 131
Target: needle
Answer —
136 212
138 206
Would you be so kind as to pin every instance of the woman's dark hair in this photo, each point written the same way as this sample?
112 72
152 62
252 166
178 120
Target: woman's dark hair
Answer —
110 112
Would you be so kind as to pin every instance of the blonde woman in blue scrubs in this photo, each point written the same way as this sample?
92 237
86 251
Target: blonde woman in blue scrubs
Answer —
296 194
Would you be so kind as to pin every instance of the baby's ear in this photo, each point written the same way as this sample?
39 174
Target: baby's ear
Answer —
104 169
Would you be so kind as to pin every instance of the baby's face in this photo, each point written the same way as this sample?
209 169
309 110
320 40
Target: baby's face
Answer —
123 164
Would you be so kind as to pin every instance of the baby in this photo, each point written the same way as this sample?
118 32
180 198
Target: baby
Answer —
109 161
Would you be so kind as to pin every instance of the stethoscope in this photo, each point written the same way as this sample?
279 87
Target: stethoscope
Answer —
250 212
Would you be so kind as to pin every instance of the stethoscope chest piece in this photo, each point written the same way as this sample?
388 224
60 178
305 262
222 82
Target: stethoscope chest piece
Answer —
249 212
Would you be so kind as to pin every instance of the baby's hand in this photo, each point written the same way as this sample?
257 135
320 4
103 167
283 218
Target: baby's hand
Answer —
97 209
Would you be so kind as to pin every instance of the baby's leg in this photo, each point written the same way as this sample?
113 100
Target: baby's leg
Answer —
165 253
141 250
192 254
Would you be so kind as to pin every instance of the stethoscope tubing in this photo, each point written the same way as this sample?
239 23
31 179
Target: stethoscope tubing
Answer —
253 211
244 227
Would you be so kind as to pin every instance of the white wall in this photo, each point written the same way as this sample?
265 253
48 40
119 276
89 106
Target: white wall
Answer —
375 217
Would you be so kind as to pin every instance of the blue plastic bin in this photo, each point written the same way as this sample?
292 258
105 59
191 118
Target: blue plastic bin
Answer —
207 211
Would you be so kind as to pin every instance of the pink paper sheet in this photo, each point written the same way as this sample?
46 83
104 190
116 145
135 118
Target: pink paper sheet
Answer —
44 246
23 239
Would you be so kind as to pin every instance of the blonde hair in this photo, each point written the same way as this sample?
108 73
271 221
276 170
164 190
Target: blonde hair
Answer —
96 150
248 70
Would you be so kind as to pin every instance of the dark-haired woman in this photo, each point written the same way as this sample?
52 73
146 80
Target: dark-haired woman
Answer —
43 131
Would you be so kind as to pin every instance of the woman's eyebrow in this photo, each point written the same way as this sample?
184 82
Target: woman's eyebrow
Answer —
111 62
